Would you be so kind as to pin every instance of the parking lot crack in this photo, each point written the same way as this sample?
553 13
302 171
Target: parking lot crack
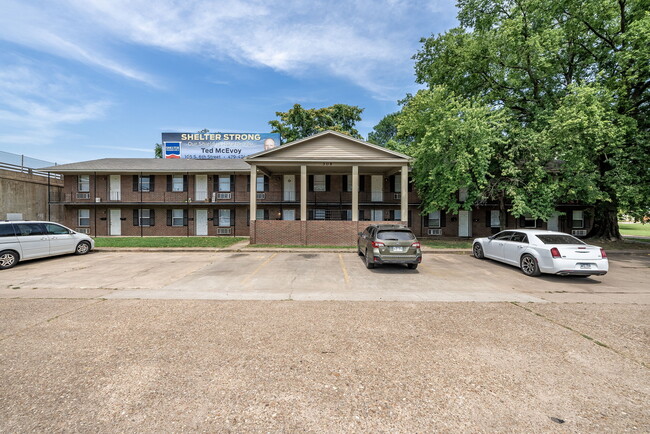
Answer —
579 333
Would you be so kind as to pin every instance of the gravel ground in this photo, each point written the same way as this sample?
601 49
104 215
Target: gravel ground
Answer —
187 365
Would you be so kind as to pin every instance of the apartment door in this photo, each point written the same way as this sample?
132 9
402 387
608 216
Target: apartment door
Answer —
201 221
377 188
115 220
115 188
201 188
554 222
464 224
289 187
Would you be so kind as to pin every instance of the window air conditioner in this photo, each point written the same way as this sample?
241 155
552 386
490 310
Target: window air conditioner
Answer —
83 195
435 231
397 196
579 232
83 230
261 195
224 231
224 195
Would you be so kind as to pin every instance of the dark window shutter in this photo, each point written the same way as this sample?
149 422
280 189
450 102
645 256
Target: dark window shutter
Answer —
344 180
362 183
391 214
215 217
311 182
361 214
410 218
443 219
506 222
327 182
248 217
152 183
344 215
136 222
169 182
152 218
266 214
488 215
569 216
135 183
184 183
392 184
169 217
266 183
538 223
184 217
410 185
232 217
232 182
248 183
311 215
215 183
522 221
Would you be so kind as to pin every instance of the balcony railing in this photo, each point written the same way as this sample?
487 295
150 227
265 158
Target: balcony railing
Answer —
115 196
200 196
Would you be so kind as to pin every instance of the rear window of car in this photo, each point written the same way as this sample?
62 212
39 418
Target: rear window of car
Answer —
7 230
395 235
559 239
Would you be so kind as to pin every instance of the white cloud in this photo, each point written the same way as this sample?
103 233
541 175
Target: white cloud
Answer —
366 42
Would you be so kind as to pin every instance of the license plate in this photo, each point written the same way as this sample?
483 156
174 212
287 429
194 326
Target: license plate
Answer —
585 266
397 249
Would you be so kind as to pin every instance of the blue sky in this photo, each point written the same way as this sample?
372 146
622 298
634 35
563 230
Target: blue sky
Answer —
86 79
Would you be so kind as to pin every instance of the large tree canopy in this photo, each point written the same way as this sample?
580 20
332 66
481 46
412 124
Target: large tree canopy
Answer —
571 80
298 122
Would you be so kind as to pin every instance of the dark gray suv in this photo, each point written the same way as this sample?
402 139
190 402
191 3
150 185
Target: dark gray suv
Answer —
389 244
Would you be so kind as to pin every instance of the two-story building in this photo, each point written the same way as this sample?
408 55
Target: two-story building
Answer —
319 190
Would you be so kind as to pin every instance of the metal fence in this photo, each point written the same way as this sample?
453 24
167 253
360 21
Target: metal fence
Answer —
23 164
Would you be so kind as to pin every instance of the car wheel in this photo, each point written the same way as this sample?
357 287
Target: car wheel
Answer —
8 259
412 266
528 265
369 264
82 248
478 251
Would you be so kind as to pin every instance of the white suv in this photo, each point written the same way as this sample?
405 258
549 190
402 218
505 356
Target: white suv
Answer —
20 241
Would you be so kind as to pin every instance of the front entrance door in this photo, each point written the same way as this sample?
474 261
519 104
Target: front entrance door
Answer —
115 188
201 188
289 188
553 222
377 188
464 224
201 221
288 214
114 217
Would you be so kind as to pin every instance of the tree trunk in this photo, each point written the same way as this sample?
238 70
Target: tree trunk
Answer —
503 216
605 222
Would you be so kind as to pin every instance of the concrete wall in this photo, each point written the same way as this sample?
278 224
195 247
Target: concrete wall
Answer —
28 194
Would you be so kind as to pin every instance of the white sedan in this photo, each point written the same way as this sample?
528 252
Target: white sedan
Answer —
537 252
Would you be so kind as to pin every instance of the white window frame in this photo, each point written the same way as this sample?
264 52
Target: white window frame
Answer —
83 183
320 183
348 214
224 217
141 183
433 216
177 214
224 183
259 214
397 215
374 213
83 218
527 219
495 218
176 186
142 218
398 183
581 219
259 184
349 186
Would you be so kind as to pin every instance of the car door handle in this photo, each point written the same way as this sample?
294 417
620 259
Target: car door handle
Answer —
520 247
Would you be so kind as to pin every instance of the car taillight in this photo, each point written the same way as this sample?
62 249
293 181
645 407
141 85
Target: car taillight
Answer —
602 253
416 245
555 253
378 244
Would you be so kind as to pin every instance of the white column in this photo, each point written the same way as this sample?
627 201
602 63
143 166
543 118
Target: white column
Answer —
253 188
355 193
405 193
303 193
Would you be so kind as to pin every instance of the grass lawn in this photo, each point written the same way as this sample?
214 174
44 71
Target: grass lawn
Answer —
627 244
299 246
166 241
634 229
447 244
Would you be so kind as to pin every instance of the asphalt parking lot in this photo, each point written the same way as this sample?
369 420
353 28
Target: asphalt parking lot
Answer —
313 276
176 342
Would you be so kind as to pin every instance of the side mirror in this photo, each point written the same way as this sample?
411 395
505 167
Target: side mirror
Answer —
72 232
491 237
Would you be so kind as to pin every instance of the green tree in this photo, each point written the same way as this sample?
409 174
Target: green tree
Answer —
157 151
536 61
298 122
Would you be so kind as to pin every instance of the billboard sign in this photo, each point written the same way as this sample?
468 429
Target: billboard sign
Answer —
206 146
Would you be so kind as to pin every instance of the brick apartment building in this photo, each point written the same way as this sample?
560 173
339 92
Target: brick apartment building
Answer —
319 190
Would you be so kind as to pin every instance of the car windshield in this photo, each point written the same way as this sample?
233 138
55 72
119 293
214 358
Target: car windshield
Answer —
559 239
395 235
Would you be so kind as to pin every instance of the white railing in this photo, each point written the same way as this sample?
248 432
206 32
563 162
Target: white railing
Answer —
200 195
115 195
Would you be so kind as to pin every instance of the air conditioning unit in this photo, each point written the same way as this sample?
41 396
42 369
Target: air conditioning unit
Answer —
83 195
228 195
224 231
579 232
214 196
261 195
397 196
98 199
83 230
435 232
